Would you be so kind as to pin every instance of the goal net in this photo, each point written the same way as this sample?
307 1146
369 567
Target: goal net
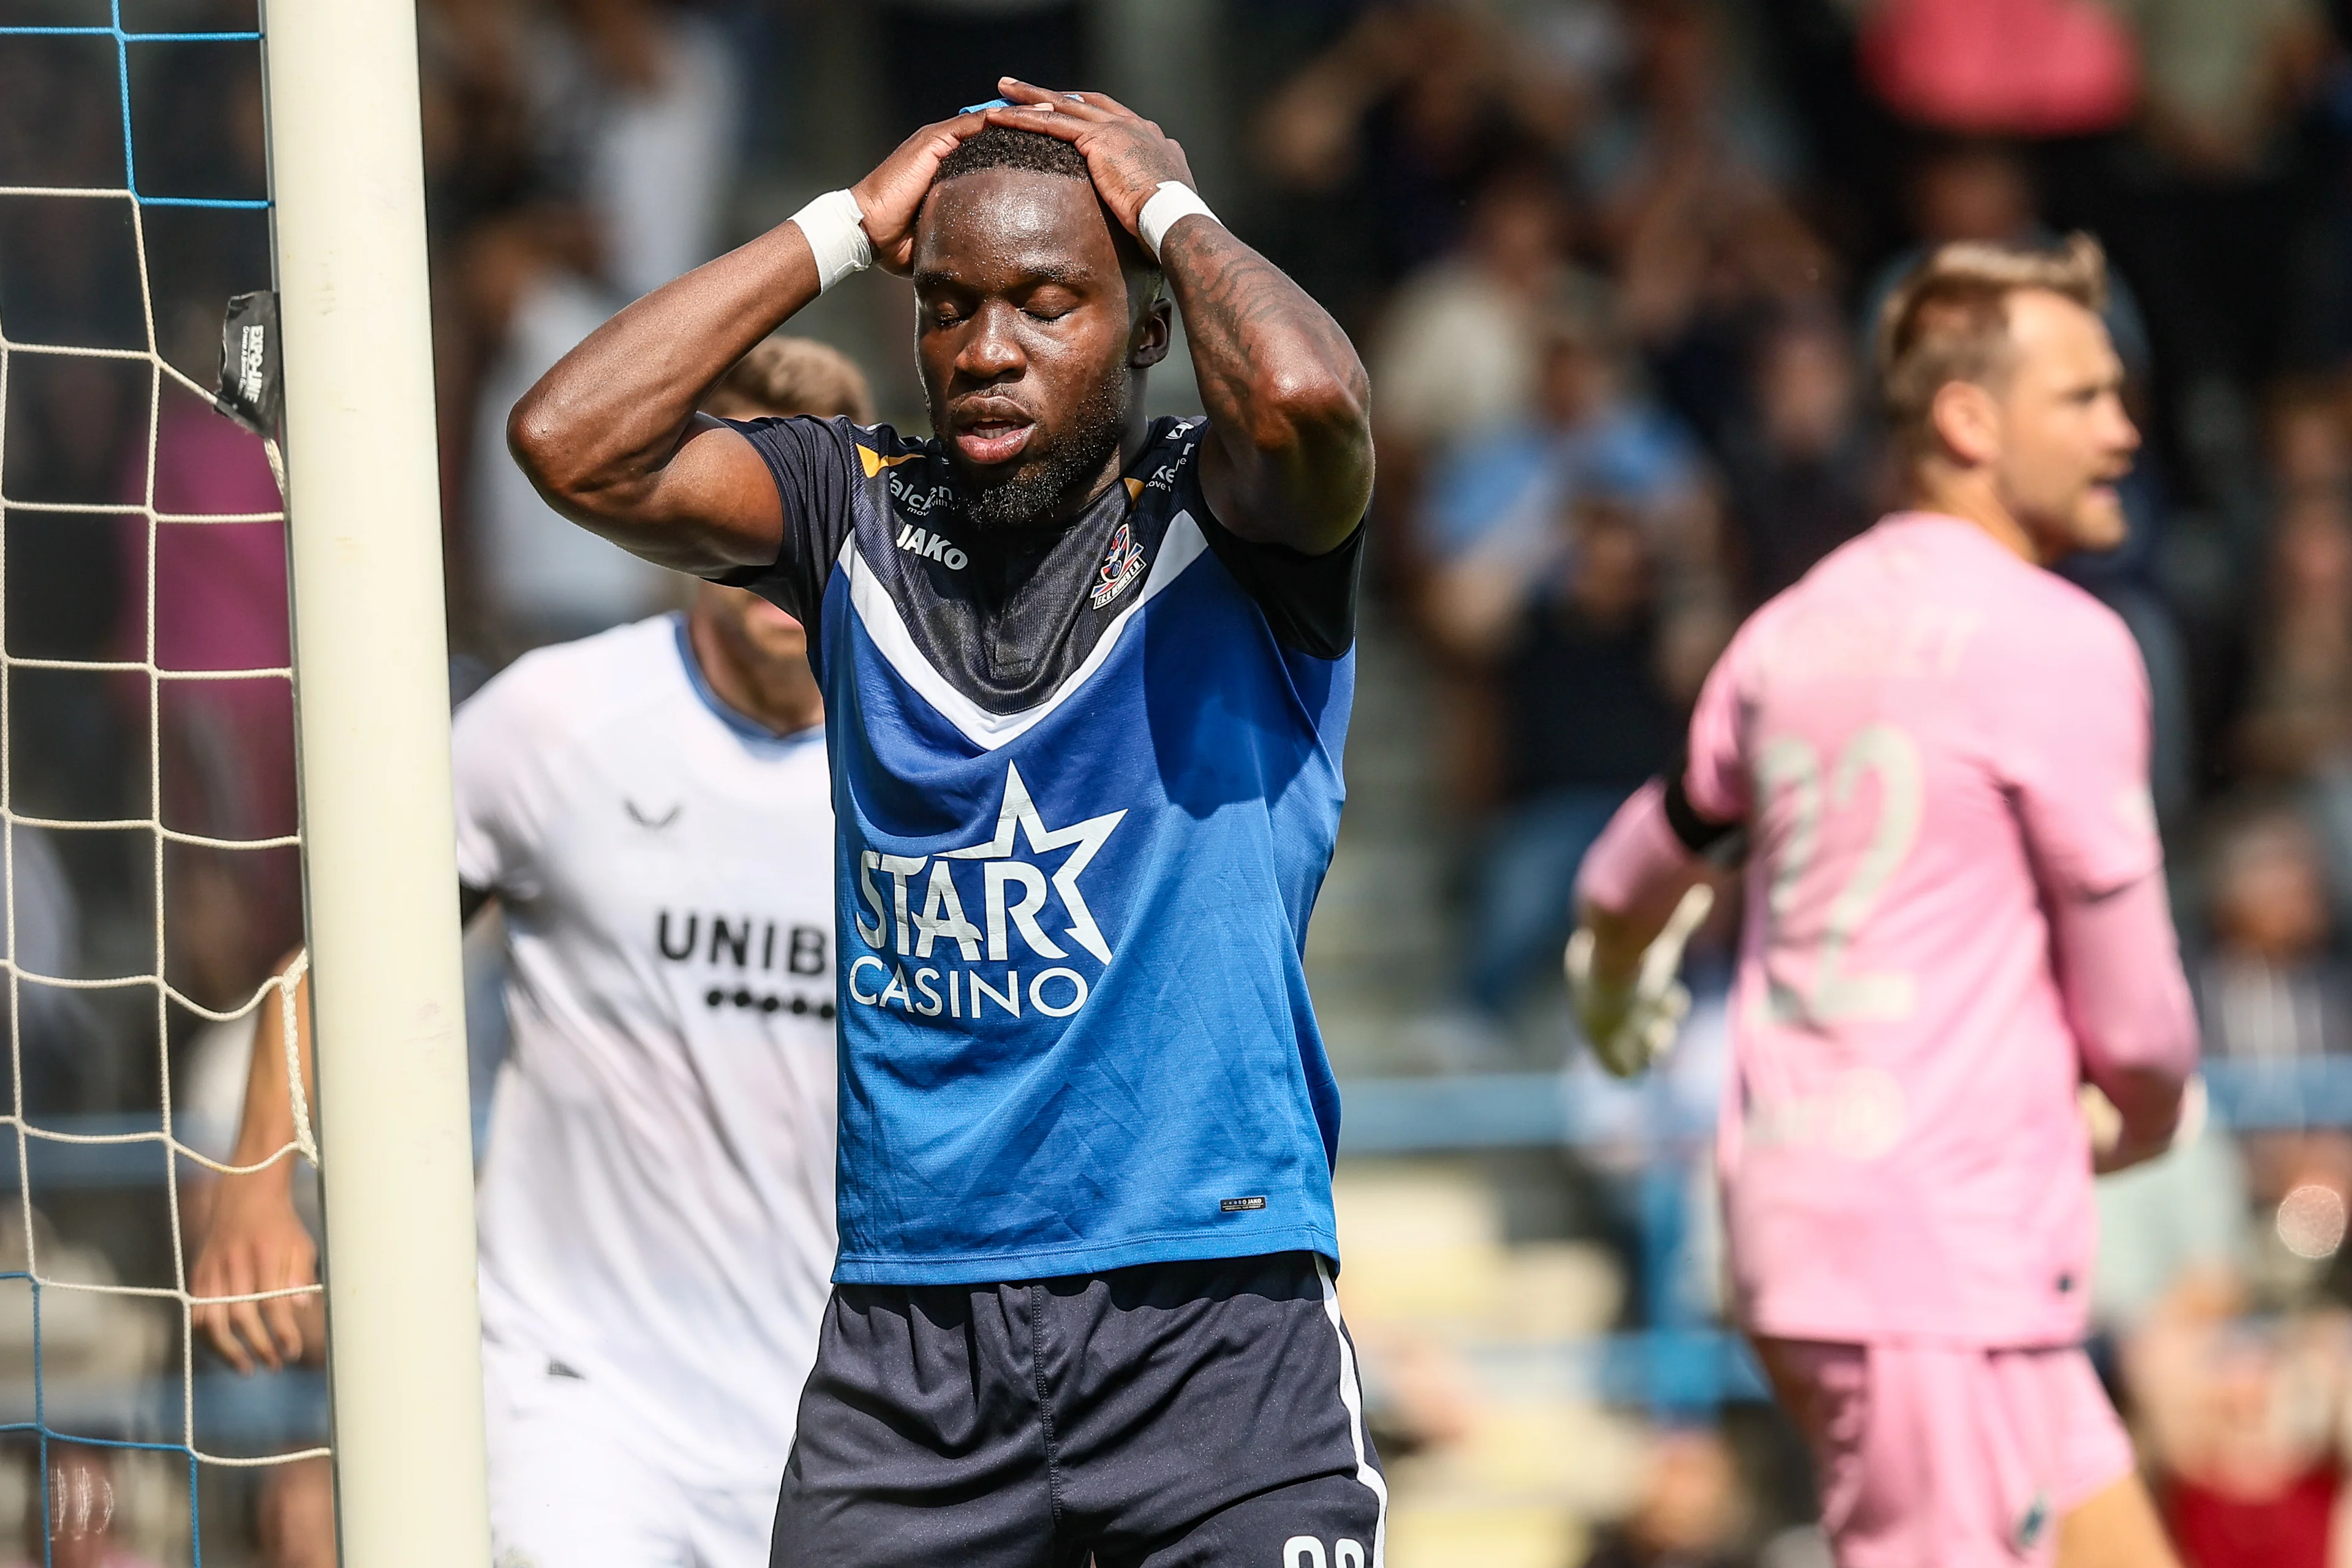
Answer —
151 867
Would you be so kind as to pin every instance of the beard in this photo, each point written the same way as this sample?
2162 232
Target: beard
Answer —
1028 496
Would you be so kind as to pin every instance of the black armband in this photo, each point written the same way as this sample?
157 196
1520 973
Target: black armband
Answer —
1698 835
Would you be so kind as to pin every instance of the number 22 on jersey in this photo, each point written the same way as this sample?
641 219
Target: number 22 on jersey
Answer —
1816 987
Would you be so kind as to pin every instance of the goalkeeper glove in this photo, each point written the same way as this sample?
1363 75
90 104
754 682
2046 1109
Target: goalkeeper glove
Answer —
1632 1023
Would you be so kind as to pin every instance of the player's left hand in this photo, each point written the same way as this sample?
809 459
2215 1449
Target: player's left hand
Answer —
1632 1022
1127 155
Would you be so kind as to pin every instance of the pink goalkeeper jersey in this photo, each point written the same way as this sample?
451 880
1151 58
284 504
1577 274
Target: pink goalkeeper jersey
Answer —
1927 738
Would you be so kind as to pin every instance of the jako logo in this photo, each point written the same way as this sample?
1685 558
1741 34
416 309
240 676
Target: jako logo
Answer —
931 547
1122 565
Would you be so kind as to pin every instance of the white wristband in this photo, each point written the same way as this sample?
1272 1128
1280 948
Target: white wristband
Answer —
1169 202
835 231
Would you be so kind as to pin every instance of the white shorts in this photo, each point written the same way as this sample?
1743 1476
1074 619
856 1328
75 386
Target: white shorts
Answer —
570 1487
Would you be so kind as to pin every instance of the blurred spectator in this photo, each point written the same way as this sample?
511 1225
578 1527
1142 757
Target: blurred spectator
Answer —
1493 502
2295 718
1586 714
2244 1421
2273 995
2311 449
55 1030
1802 470
1497 519
479 142
295 1515
579 152
1708 252
2298 712
2182 1216
74 1526
1693 1508
1457 355
640 103
2223 209
69 421
216 601
2025 68
1415 109
1690 97
2224 82
2269 989
1984 190
530 281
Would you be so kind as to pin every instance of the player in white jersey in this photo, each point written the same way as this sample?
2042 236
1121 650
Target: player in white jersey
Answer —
650 808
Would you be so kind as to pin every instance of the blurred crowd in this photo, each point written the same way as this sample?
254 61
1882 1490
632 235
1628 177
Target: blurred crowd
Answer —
1613 265
1616 266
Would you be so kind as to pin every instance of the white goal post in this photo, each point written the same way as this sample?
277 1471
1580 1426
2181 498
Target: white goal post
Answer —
371 699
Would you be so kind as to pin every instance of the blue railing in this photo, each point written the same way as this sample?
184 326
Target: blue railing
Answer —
1681 1360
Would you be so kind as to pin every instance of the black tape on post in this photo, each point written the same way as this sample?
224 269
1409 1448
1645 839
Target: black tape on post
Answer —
252 383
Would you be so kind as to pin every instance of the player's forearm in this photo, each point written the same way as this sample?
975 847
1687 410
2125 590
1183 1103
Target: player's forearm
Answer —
598 430
267 1125
1632 876
1284 392
2128 1003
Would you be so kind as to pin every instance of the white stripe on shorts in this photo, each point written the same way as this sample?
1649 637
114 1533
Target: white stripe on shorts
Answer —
1351 1395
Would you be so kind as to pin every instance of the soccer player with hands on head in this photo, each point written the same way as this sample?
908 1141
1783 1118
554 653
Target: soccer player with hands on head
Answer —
1933 751
1087 680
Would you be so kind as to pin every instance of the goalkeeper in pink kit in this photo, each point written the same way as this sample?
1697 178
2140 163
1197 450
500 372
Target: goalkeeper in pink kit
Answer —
1935 753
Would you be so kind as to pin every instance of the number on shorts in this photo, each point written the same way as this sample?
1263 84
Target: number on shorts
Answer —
1791 765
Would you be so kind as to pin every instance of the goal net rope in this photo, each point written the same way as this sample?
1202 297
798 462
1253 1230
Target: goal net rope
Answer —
39 1141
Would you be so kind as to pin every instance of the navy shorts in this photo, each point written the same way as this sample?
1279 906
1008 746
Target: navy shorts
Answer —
1174 1416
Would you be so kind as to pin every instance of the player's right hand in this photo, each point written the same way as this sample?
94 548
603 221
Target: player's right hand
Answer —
1632 1022
2110 1151
893 194
257 1244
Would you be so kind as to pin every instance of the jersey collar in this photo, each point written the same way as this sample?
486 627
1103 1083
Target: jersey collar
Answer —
745 728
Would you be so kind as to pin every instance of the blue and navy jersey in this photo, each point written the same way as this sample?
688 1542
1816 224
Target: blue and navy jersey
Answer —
1088 780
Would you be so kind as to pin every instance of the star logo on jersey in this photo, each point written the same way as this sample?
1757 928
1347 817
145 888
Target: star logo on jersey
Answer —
1084 839
962 944
1122 565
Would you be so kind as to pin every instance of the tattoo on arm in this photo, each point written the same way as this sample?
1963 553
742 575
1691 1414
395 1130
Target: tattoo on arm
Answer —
1284 389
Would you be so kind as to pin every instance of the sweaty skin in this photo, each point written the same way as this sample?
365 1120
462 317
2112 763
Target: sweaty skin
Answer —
1030 315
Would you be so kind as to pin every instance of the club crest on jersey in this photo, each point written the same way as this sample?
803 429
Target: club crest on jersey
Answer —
1122 565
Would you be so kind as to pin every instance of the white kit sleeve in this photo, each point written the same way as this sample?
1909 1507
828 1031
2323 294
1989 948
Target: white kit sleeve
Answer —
491 757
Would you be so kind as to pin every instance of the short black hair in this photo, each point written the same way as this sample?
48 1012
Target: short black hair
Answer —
1033 151
1003 147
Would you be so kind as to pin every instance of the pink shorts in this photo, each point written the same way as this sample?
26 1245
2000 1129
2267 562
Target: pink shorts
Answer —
1948 1455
